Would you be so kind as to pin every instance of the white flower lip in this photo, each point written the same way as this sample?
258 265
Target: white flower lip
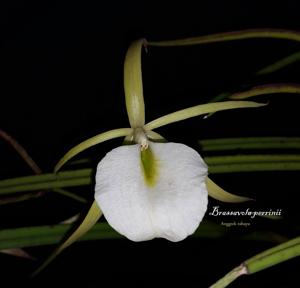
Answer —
172 207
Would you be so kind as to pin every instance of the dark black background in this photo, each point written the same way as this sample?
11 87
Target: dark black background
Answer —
62 81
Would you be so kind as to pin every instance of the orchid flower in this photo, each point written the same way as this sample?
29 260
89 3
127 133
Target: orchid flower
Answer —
149 189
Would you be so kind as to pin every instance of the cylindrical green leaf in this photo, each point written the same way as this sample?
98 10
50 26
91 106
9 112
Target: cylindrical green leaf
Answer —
258 158
247 143
274 256
46 185
248 163
261 261
47 177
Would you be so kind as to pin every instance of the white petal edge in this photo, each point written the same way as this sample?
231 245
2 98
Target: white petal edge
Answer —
173 208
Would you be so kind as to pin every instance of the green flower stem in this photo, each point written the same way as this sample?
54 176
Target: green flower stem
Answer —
286 61
133 85
224 144
199 110
233 35
261 261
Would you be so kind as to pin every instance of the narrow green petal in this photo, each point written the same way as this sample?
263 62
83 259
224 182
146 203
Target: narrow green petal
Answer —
133 84
199 110
89 221
91 142
233 35
267 89
218 193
